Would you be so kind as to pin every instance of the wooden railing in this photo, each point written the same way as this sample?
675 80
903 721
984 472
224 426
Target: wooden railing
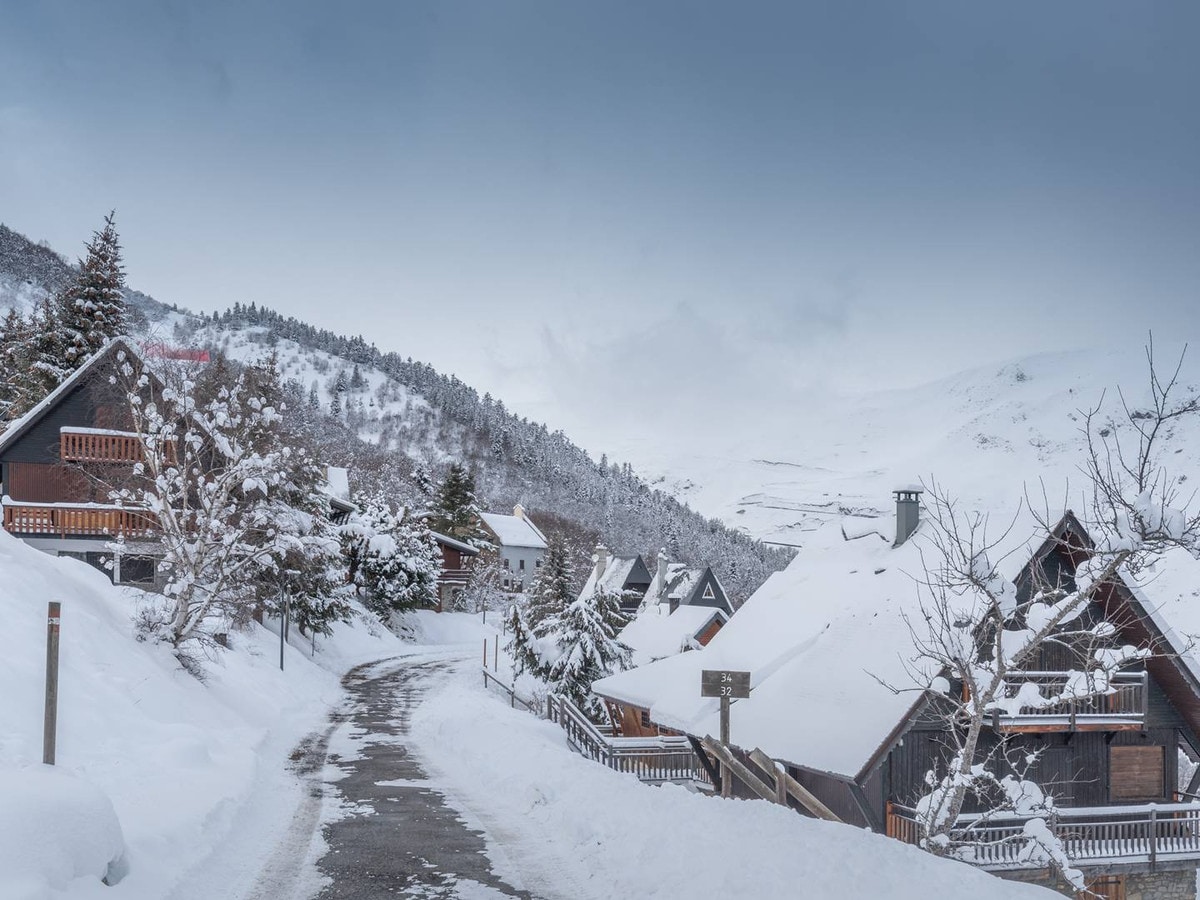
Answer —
1123 706
95 445
513 697
653 760
1151 833
76 520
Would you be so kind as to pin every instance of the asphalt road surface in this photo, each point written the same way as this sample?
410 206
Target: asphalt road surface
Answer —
401 839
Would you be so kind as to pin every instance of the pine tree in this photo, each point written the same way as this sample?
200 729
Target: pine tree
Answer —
587 650
394 565
335 406
522 644
457 512
550 593
356 379
16 333
314 401
91 310
46 356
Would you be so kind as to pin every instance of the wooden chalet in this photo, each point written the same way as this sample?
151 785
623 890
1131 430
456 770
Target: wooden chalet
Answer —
678 584
58 463
456 556
824 637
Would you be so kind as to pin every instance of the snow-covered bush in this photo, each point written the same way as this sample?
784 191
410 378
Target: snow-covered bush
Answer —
392 564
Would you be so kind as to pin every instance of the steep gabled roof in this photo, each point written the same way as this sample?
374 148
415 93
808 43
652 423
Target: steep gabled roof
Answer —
20 426
616 575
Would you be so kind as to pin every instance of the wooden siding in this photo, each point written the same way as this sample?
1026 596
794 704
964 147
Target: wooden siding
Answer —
709 633
48 483
1136 773
835 794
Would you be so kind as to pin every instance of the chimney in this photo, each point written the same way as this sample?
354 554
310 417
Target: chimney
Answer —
660 578
519 511
601 561
908 512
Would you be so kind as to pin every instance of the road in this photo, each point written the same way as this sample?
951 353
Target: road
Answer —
401 838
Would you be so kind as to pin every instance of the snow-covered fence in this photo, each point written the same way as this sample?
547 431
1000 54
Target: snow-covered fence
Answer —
1154 832
513 697
652 760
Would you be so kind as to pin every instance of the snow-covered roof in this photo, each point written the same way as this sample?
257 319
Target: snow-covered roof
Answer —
452 542
19 426
655 632
612 581
1169 591
817 638
338 480
515 531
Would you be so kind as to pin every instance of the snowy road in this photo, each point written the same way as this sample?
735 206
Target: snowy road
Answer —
400 838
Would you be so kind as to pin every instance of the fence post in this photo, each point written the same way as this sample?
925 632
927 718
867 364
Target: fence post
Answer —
1153 835
50 721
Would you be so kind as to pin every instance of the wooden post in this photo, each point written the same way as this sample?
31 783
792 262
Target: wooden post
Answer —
496 653
726 779
50 723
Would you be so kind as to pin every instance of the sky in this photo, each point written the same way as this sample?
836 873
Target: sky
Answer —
644 218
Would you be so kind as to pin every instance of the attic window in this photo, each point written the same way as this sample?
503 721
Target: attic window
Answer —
709 594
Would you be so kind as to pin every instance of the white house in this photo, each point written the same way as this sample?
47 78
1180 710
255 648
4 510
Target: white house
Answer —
521 544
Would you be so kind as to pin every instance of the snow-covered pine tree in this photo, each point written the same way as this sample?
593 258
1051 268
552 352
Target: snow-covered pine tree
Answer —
457 511
393 564
46 356
551 591
586 650
522 644
91 310
15 339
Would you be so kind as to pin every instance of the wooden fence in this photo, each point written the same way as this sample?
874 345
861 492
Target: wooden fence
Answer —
65 520
652 760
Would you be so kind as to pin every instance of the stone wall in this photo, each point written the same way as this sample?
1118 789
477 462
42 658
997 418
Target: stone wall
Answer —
1146 886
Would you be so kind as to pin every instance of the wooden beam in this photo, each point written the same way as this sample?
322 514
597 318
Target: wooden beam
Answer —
735 767
714 772
803 795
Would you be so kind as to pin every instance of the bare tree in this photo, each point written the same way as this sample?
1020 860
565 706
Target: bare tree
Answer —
977 634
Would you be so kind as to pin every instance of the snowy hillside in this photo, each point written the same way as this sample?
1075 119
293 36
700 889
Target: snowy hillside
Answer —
987 435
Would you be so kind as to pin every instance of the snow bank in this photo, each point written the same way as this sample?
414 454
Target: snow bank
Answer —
55 827
588 832
179 761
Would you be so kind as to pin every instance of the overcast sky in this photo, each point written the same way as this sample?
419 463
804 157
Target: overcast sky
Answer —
627 216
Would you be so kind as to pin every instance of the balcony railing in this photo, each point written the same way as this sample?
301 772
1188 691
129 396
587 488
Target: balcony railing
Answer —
97 445
1152 833
1122 706
76 520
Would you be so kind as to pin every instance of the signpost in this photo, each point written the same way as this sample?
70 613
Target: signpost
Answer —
726 685
50 723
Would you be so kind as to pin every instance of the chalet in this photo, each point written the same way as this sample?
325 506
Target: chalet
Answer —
56 463
452 579
625 576
678 584
823 638
522 546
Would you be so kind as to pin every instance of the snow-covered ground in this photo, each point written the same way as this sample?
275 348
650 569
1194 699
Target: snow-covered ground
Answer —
156 771
563 826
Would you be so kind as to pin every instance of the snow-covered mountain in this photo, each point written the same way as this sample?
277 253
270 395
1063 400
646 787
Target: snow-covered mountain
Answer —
394 422
988 435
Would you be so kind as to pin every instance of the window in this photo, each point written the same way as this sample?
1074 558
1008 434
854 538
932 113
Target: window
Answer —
137 570
645 719
709 594
506 566
537 563
1135 773
521 565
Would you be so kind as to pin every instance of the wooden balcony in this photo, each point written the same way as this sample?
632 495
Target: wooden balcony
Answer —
1122 708
1098 836
76 520
92 445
